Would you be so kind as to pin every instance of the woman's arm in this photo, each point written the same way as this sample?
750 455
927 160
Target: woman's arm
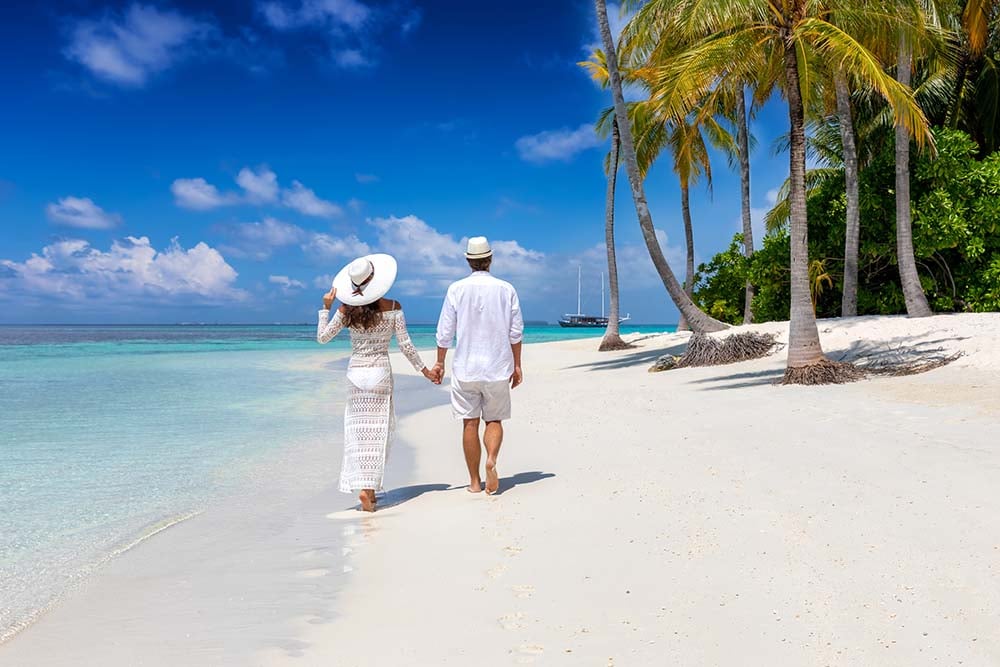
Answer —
326 330
406 345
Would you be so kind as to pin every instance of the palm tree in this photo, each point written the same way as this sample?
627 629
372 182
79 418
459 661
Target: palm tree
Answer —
612 339
691 161
696 319
974 20
743 152
913 291
788 43
849 305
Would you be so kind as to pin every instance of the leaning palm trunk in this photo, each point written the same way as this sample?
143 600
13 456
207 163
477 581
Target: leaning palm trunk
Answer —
682 325
913 292
612 336
804 349
849 306
697 320
743 145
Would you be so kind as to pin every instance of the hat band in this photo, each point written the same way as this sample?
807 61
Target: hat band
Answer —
359 289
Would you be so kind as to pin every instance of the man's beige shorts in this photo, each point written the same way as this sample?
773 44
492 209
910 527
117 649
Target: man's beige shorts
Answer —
487 400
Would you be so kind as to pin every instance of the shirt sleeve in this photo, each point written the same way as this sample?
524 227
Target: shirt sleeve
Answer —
327 331
516 320
446 323
406 345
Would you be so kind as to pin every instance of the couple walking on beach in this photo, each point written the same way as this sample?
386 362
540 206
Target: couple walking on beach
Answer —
481 311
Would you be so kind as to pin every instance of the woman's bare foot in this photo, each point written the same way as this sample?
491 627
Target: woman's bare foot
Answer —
367 498
475 486
492 479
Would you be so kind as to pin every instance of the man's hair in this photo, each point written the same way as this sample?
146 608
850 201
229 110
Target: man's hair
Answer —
482 264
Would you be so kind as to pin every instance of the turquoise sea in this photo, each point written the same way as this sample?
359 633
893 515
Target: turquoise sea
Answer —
109 433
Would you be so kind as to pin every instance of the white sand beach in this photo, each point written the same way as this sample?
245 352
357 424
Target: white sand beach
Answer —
690 517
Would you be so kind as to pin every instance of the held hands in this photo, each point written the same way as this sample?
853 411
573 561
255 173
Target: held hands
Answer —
516 379
435 374
329 297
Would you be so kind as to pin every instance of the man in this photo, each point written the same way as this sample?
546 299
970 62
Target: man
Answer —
485 314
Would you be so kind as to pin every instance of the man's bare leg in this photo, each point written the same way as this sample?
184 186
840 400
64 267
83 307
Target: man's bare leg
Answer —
493 438
473 453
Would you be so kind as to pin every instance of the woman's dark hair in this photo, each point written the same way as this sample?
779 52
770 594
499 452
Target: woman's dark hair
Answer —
364 317
482 264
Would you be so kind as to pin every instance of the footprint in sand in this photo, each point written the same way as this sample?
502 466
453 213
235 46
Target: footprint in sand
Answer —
315 572
495 572
512 551
511 621
523 590
526 653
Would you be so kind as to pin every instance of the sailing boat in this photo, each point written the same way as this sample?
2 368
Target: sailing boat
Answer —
579 320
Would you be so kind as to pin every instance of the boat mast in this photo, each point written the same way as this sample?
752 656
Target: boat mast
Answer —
579 274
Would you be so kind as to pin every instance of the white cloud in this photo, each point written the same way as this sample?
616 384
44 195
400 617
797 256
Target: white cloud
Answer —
772 196
353 30
127 49
635 267
366 178
553 145
257 240
324 14
351 59
260 185
429 260
131 271
81 212
199 194
287 284
326 247
323 281
305 201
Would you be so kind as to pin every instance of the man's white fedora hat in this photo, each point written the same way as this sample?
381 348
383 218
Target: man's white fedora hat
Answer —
478 248
365 280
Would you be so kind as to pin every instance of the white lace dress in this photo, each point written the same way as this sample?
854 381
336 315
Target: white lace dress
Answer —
369 417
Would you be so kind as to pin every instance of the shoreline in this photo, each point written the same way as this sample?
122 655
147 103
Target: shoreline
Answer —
667 562
280 550
701 516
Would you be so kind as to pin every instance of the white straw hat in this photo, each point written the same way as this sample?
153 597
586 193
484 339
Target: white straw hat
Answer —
365 280
478 248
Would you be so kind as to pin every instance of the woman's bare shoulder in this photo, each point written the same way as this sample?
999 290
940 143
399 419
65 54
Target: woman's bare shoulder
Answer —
389 304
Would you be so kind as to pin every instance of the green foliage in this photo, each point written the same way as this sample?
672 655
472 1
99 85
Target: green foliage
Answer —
956 231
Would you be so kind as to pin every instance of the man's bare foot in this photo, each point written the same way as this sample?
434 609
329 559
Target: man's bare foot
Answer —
367 498
492 479
475 486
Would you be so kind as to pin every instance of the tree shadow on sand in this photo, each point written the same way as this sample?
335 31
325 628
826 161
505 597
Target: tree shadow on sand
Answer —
641 358
903 355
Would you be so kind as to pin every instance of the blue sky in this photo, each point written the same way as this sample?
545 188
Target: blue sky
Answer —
217 162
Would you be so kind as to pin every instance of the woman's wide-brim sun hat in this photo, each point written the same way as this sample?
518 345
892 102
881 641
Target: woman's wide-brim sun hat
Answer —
365 280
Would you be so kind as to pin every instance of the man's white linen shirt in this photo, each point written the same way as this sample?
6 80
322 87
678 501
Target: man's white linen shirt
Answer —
485 314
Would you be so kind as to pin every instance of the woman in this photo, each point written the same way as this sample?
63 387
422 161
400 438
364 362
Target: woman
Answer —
369 417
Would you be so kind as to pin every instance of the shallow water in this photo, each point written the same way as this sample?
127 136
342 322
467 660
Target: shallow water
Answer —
108 434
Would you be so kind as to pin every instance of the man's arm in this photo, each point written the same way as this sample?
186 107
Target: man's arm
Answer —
516 338
517 377
445 335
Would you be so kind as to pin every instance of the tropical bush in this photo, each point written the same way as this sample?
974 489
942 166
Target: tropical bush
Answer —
956 231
